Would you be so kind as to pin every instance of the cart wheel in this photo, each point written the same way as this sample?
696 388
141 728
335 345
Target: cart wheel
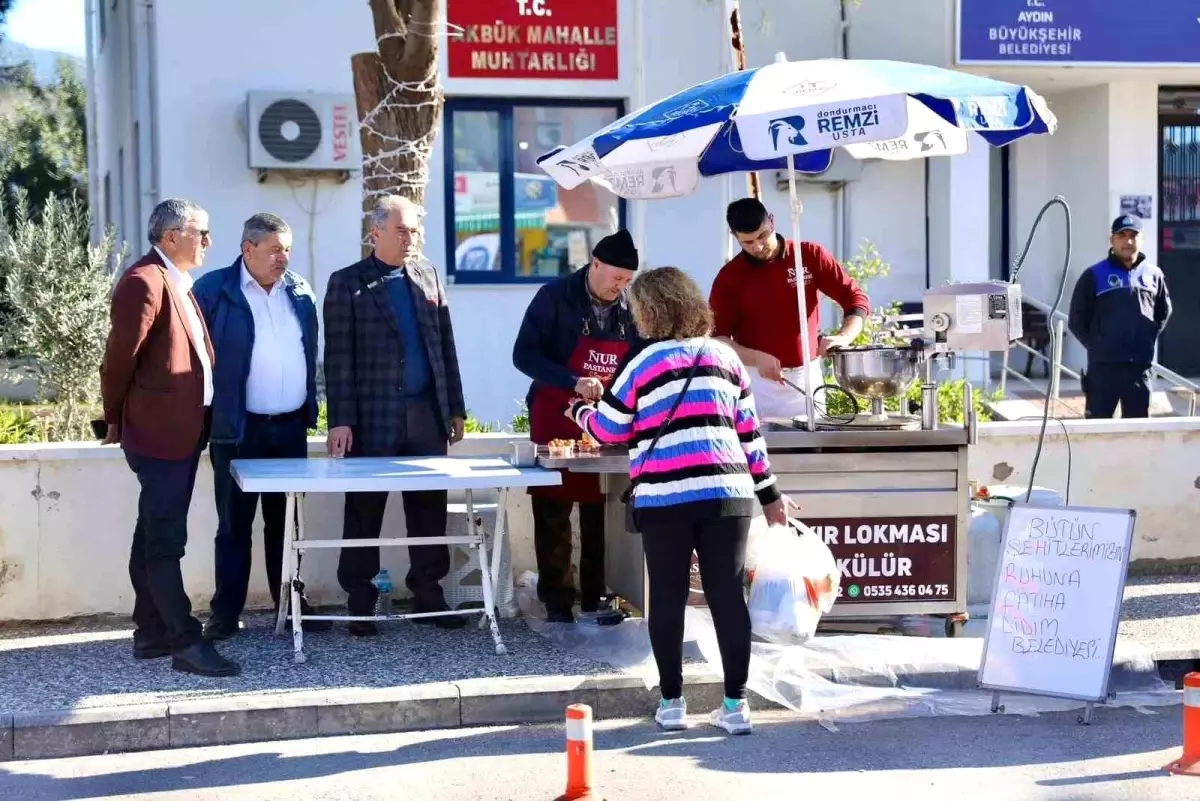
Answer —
301 658
501 649
953 629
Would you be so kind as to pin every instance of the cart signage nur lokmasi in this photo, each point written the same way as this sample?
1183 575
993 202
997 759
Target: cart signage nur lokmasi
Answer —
891 559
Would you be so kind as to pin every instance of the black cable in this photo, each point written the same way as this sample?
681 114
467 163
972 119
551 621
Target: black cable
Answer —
1058 200
835 420
1070 457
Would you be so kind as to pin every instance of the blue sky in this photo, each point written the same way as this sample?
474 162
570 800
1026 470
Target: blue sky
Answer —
48 25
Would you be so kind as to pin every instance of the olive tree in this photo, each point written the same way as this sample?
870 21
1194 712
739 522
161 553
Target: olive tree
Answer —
55 290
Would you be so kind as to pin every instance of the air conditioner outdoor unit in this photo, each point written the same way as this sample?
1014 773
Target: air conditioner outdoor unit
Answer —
303 131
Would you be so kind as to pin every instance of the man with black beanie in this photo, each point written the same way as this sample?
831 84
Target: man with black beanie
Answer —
575 333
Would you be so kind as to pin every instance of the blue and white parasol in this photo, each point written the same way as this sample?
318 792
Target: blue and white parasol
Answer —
792 115
755 119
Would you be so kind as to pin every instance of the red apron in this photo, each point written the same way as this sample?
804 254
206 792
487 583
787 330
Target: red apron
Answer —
593 358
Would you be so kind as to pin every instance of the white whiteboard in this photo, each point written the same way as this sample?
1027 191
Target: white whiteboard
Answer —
1057 601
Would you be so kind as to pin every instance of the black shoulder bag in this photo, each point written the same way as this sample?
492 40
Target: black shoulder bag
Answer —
631 524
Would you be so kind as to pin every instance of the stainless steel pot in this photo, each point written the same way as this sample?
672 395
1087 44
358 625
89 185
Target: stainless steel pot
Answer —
875 372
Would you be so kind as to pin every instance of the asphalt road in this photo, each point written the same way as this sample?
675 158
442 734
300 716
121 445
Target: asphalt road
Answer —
1120 756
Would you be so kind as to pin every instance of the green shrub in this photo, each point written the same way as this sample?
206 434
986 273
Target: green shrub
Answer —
18 426
520 421
472 426
950 402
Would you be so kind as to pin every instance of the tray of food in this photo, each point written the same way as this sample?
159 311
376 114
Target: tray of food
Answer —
584 447
569 453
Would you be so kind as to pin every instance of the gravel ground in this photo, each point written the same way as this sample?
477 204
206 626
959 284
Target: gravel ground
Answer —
89 663
1162 612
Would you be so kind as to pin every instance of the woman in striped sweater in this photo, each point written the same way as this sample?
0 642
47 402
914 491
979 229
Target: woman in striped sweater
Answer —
699 468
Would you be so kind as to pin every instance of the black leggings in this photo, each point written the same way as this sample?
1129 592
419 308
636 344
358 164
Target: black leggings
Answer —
720 546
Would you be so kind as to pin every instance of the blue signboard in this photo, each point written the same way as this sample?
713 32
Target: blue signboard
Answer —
1144 33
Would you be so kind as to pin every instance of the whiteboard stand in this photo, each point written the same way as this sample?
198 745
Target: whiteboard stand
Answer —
1115 529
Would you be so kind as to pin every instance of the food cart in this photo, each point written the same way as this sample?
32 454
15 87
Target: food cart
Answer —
887 492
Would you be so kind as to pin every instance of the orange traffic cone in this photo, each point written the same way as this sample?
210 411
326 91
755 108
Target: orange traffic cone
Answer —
1189 763
579 754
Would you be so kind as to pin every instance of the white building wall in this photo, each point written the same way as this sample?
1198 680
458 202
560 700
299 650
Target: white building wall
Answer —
293 46
110 76
1106 146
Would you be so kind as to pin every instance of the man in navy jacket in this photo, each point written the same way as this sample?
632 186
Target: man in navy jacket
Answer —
1118 310
575 333
263 322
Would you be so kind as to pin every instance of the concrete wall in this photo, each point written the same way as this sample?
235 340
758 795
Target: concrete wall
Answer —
67 512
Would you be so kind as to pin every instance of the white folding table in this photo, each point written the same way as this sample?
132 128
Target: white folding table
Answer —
297 477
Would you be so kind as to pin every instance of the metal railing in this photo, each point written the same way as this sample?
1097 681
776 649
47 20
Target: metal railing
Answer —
1055 367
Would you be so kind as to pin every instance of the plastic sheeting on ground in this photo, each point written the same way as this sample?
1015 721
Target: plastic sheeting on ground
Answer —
846 678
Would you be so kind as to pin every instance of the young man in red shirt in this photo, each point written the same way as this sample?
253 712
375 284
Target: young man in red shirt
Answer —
754 307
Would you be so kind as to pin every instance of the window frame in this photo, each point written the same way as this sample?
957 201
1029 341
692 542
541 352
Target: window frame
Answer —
505 108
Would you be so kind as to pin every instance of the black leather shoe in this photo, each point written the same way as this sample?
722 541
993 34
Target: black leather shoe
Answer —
202 659
362 628
219 628
151 649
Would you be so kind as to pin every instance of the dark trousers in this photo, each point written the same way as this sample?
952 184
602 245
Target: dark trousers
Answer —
552 546
162 611
424 515
274 437
720 547
1107 384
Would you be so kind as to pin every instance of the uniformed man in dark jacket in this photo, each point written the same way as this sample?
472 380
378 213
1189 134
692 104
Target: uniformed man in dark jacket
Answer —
575 333
1118 310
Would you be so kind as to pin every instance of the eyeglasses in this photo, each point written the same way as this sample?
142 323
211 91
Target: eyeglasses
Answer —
203 233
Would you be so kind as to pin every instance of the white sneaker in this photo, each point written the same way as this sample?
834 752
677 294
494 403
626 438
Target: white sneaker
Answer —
735 720
671 715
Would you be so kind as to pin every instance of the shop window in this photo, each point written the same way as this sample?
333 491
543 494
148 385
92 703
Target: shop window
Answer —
507 221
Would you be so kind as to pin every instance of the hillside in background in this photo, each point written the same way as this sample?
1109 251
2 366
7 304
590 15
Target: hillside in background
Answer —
43 61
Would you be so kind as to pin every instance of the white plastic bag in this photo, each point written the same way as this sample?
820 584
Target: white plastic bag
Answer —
795 581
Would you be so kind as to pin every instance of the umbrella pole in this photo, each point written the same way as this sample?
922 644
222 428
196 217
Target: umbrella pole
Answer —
737 51
796 209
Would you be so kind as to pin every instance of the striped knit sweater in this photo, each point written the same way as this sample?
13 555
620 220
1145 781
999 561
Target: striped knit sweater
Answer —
711 460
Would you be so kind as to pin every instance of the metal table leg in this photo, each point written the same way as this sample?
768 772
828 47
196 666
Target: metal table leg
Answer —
485 574
295 506
499 538
285 571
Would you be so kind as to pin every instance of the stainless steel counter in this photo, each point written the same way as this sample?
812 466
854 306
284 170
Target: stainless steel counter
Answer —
782 437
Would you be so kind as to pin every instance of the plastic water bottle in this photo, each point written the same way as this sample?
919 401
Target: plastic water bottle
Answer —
383 583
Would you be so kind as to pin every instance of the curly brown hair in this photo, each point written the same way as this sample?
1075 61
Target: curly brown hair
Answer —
667 304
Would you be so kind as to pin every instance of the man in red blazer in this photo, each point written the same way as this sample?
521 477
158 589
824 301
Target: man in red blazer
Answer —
156 383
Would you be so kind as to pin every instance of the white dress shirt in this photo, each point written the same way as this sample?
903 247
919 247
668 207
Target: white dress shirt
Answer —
183 285
278 381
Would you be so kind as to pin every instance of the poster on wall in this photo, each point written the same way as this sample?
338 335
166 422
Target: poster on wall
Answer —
1138 206
541 39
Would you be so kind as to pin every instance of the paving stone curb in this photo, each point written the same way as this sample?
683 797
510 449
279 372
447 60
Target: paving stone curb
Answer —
280 716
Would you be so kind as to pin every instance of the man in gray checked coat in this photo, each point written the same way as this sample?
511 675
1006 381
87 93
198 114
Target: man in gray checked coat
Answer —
393 389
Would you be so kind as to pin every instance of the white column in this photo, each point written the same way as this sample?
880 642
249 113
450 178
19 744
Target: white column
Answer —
1133 151
960 224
